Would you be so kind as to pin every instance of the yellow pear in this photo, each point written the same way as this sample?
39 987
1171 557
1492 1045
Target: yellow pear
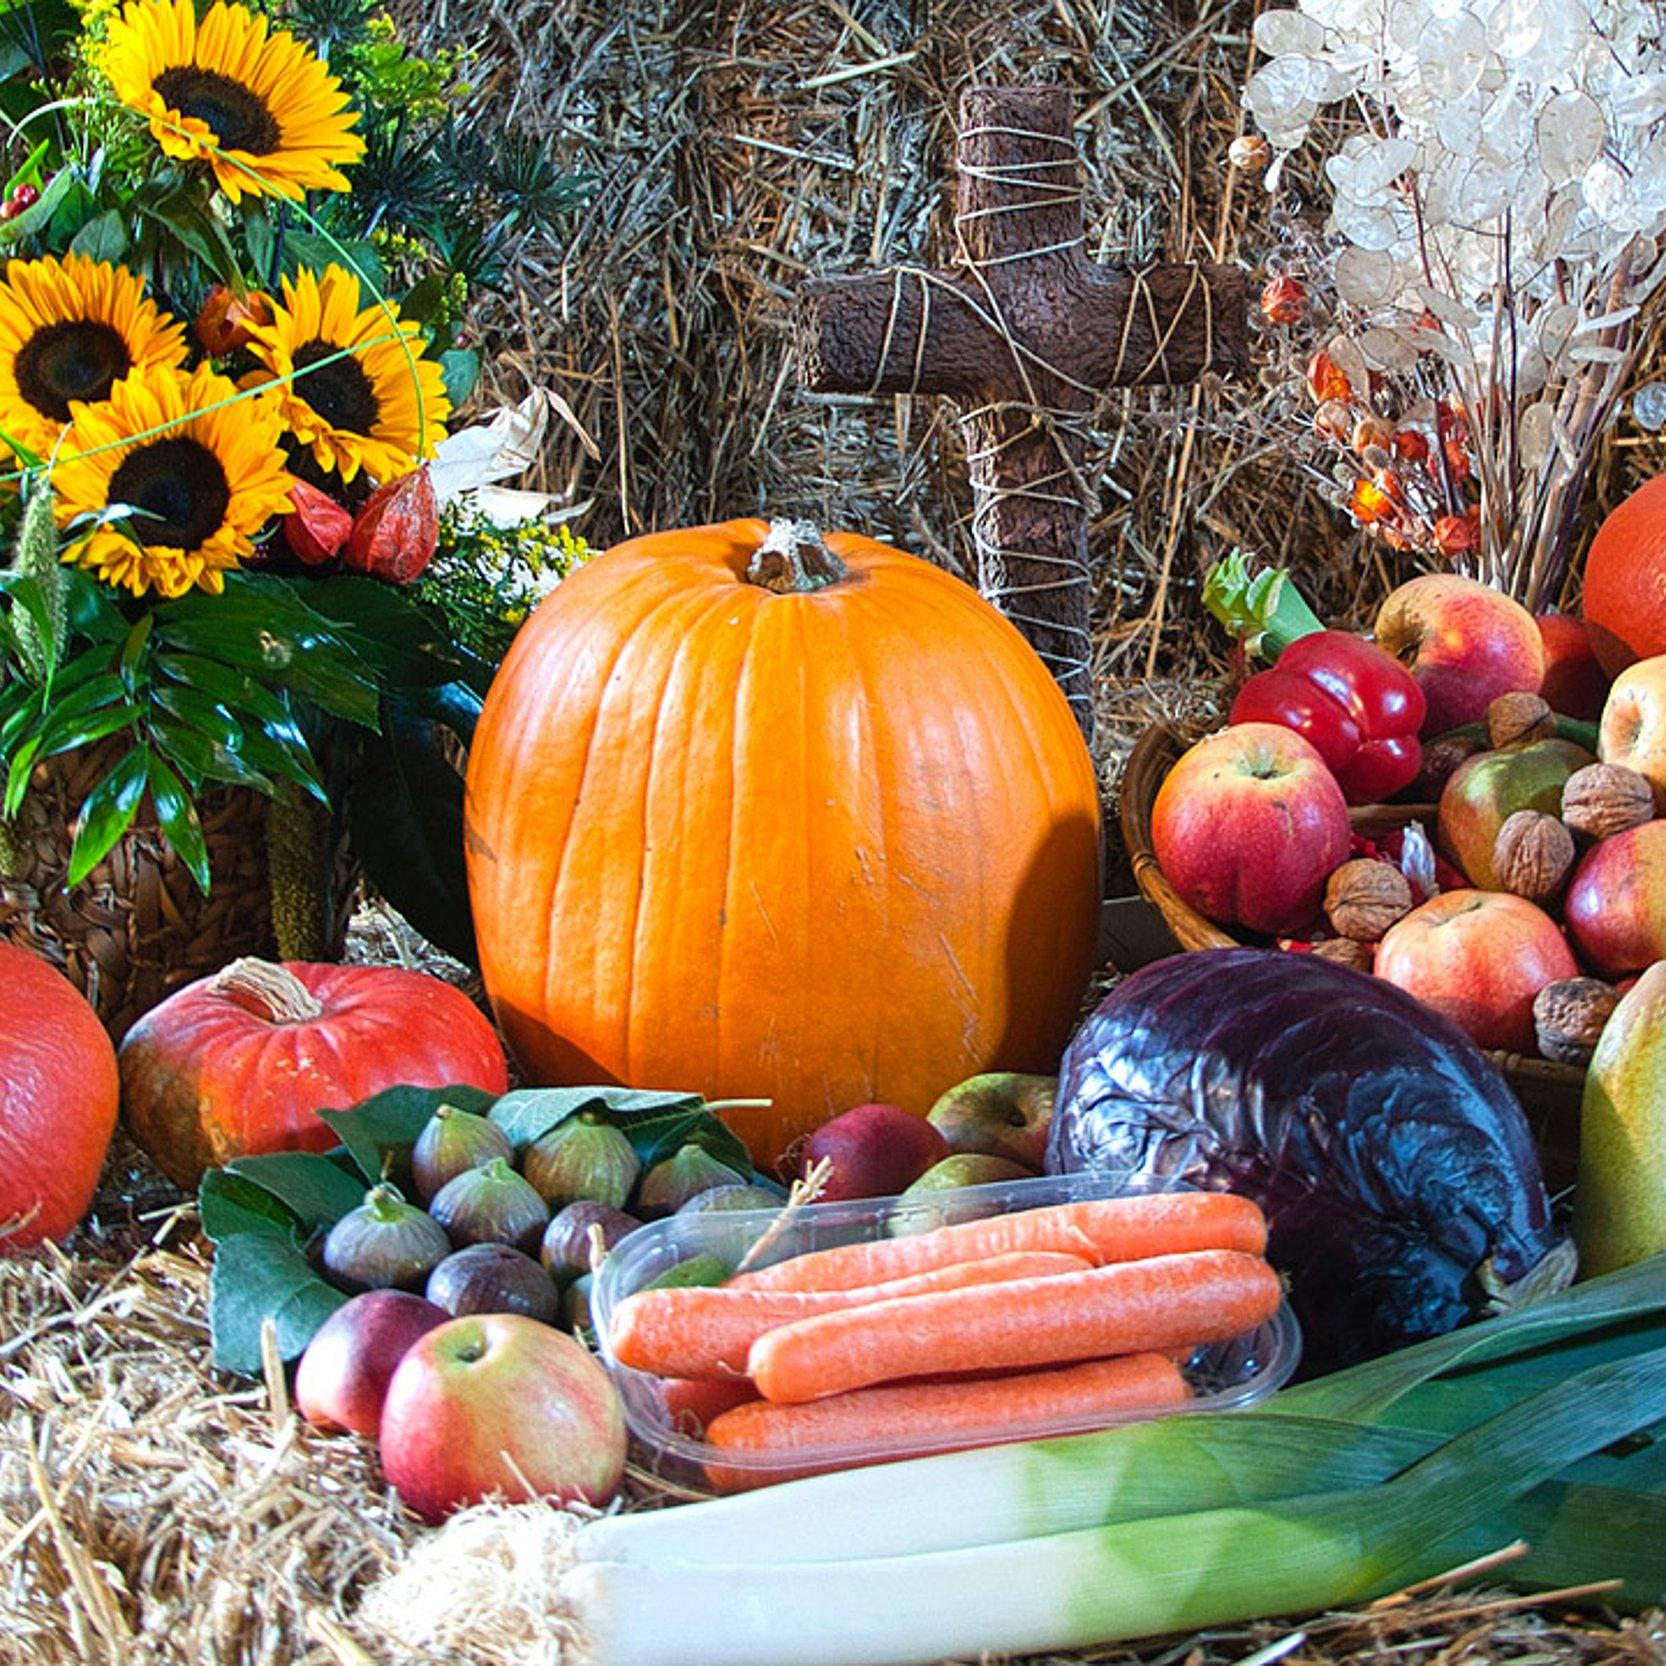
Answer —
1619 1212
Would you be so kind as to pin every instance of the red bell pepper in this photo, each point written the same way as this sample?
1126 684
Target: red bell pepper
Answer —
1357 705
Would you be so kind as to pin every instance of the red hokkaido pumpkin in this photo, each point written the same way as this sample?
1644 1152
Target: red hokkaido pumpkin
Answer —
240 1063
58 1093
761 817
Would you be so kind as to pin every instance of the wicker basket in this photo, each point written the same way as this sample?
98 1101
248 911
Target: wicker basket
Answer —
1549 1093
138 928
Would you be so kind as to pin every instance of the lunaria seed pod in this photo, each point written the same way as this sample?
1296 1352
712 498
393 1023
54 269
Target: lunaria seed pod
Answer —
384 1244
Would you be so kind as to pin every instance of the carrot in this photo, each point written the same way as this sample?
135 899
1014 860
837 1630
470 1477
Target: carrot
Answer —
706 1332
1135 1307
1101 1230
926 1415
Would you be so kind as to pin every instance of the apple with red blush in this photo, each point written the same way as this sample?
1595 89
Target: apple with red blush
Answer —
1574 684
873 1150
1248 826
1633 729
344 1373
1478 958
1464 642
500 1404
1616 901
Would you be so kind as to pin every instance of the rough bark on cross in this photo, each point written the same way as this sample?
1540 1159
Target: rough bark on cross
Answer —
1024 332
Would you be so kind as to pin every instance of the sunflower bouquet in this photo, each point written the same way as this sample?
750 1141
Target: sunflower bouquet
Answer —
239 252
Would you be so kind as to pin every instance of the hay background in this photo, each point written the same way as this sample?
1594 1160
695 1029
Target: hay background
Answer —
151 1512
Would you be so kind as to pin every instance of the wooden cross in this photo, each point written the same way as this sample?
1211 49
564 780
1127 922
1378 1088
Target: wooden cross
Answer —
1025 333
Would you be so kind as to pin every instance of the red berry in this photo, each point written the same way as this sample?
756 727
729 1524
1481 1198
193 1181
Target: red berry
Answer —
8 210
25 196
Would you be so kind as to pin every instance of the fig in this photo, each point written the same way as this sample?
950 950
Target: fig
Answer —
720 1199
491 1205
566 1248
453 1140
581 1159
668 1185
575 1305
384 1244
492 1278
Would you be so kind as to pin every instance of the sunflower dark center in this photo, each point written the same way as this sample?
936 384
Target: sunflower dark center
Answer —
237 116
77 359
179 488
341 393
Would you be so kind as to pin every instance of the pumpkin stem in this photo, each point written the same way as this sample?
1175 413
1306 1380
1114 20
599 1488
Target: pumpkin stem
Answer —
268 991
794 559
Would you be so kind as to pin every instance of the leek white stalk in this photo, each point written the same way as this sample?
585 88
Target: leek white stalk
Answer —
1106 1584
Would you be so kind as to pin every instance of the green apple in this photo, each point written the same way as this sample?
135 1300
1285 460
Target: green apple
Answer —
1483 792
1619 1212
1003 1113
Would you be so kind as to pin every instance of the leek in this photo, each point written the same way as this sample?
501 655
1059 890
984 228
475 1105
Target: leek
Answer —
1135 1578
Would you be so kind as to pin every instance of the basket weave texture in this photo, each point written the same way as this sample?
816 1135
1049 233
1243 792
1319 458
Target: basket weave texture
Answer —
138 928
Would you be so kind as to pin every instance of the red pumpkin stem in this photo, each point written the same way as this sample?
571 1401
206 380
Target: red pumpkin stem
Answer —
794 559
268 991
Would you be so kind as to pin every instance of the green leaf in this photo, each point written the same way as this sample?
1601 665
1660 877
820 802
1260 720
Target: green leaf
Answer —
317 1190
528 1114
411 644
102 238
305 248
108 812
661 1135
177 817
259 240
387 1124
230 1205
257 1276
460 370
405 814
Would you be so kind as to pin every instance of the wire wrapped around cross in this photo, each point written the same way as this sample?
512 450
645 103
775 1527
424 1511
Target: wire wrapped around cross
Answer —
995 332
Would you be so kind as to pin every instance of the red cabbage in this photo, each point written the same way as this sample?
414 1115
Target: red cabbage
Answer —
1398 1173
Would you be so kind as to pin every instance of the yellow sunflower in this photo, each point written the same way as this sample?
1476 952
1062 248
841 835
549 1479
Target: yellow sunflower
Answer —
362 396
197 492
68 329
255 104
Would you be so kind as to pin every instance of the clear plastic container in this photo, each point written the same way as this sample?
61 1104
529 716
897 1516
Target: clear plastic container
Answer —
1225 1377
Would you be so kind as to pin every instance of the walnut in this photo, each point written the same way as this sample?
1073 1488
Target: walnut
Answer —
1604 799
1344 951
1440 759
1533 855
1520 717
1569 1016
1365 897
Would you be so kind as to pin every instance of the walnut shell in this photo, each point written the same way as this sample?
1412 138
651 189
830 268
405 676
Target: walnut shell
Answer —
1533 855
1344 951
1441 759
1604 799
1520 717
1363 898
1569 1016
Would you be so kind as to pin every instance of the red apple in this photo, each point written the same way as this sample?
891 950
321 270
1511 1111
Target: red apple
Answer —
1466 644
1575 684
1249 825
343 1376
875 1150
1483 792
1633 731
496 1403
1616 901
1479 957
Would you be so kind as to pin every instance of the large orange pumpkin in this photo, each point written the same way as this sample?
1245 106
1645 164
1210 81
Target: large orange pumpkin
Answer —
1625 580
58 1093
240 1064
762 817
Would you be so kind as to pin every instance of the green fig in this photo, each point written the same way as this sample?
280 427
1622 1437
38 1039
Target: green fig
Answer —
491 1205
1619 1204
453 1140
581 1160
668 1185
720 1199
384 1244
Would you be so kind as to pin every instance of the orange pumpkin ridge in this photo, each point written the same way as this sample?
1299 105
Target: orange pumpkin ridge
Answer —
823 846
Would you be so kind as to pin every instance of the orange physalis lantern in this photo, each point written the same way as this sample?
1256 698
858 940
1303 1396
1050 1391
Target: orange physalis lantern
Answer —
1326 380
